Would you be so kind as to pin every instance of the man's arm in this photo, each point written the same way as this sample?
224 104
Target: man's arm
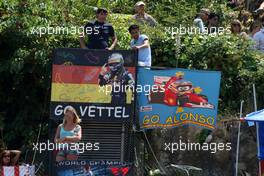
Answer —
113 37
84 32
152 21
144 45
82 43
114 42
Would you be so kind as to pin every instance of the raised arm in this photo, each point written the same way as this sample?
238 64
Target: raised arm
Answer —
114 42
144 45
16 154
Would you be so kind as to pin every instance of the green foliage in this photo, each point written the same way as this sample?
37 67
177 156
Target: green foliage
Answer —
231 55
25 58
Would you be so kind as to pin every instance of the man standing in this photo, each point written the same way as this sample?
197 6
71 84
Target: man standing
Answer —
140 42
99 32
141 16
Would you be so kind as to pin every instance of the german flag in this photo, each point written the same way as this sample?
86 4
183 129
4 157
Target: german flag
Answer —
75 83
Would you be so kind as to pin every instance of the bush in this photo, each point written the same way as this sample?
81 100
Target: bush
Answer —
26 58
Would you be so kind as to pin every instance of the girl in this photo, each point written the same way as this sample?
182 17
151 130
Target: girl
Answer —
7 159
68 134
236 28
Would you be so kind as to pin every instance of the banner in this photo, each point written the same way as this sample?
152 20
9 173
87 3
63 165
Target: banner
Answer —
94 168
174 97
97 83
18 171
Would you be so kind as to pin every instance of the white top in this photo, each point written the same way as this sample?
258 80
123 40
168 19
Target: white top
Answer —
198 22
259 39
144 54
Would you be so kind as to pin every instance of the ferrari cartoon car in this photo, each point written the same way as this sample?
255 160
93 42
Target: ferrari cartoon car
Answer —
179 92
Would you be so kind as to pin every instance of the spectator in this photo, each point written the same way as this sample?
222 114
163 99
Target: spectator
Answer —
140 42
99 32
236 28
254 28
141 16
67 135
202 19
9 157
259 39
213 22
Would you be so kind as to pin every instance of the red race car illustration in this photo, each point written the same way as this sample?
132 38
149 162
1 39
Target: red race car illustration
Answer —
179 92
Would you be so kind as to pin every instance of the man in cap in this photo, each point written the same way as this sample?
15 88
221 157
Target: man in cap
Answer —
141 16
99 32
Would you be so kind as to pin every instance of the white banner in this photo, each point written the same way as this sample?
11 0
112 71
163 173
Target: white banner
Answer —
18 171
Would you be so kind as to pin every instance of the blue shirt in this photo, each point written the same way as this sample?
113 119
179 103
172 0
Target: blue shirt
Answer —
64 133
144 54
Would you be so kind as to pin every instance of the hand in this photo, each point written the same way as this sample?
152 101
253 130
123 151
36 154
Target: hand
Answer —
103 70
109 48
135 47
60 140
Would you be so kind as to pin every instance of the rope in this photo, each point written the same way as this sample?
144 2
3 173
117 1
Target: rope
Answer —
135 151
40 125
39 167
161 168
34 156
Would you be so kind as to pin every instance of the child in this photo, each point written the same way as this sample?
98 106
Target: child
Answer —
7 159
